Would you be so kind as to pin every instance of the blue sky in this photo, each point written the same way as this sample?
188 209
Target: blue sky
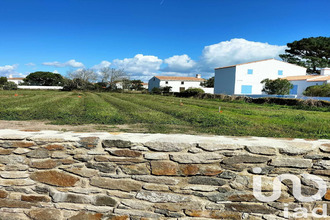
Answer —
151 37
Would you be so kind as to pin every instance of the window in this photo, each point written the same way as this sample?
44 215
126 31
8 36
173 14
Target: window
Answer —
246 89
294 90
154 78
250 71
280 72
166 82
182 82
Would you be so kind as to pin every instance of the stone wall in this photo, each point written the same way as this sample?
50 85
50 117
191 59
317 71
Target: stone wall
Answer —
56 175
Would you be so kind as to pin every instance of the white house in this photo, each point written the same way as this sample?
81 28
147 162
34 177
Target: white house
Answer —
300 83
145 85
17 81
177 83
245 78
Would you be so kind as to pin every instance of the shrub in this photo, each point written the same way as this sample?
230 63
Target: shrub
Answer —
10 86
156 90
192 92
320 90
277 86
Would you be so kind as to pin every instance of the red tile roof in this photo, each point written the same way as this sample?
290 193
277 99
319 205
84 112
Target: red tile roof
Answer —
179 78
308 78
15 78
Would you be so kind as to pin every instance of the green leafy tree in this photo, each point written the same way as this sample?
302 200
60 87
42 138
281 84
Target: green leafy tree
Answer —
318 90
312 53
277 86
208 83
10 86
3 80
40 78
136 85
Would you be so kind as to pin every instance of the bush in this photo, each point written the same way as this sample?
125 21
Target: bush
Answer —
320 90
192 92
156 90
277 86
10 86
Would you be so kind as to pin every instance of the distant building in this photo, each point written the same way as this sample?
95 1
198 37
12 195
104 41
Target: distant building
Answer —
177 83
145 85
17 81
300 83
245 78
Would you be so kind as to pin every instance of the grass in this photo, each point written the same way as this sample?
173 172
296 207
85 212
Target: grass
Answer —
164 114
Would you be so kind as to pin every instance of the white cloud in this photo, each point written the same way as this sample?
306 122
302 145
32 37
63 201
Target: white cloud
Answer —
8 70
139 64
70 63
236 51
101 65
179 63
55 71
30 64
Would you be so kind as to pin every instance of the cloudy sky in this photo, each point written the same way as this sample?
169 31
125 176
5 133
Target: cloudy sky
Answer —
151 37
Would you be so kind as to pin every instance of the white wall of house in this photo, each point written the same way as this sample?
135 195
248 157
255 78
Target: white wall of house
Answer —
153 82
325 71
247 77
177 85
16 81
301 85
224 81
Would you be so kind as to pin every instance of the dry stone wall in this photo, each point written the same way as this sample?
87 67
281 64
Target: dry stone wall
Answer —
57 175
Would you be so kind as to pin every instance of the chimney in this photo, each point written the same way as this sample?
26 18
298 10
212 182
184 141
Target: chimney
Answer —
325 72
198 76
10 76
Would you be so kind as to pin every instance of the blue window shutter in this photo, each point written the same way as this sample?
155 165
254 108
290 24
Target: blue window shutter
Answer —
246 89
294 90
280 72
250 71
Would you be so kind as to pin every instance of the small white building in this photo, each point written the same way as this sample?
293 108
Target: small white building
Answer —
177 83
17 81
300 83
246 78
145 85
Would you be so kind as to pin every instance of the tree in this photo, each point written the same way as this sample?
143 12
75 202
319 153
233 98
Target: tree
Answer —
40 78
87 75
3 80
208 83
312 53
10 86
136 85
277 86
112 75
318 90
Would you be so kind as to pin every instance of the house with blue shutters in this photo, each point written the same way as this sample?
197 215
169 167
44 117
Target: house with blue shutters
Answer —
245 78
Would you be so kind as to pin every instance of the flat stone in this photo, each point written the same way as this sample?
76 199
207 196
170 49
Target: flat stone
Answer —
245 158
263 150
86 216
126 153
59 155
89 142
44 164
84 172
249 208
214 214
54 178
202 188
325 148
133 212
155 187
35 198
120 184
291 162
189 169
156 156
292 151
104 201
117 217
14 175
168 146
188 158
13 216
15 144
8 203
105 167
164 168
201 180
82 157
116 143
39 153
21 151
219 147
45 214
322 172
3 194
16 167
161 197
5 151
71 198
156 179
54 147
325 164
16 182
136 169
12 159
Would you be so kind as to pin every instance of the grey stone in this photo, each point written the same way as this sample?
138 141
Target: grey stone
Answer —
127 185
168 146
133 212
154 197
70 198
292 162
218 147
263 150
105 167
116 143
227 175
104 201
245 159
39 153
250 208
156 179
188 158
206 181
156 156
295 150
325 148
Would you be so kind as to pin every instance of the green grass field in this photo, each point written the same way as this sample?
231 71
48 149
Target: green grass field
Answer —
164 114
